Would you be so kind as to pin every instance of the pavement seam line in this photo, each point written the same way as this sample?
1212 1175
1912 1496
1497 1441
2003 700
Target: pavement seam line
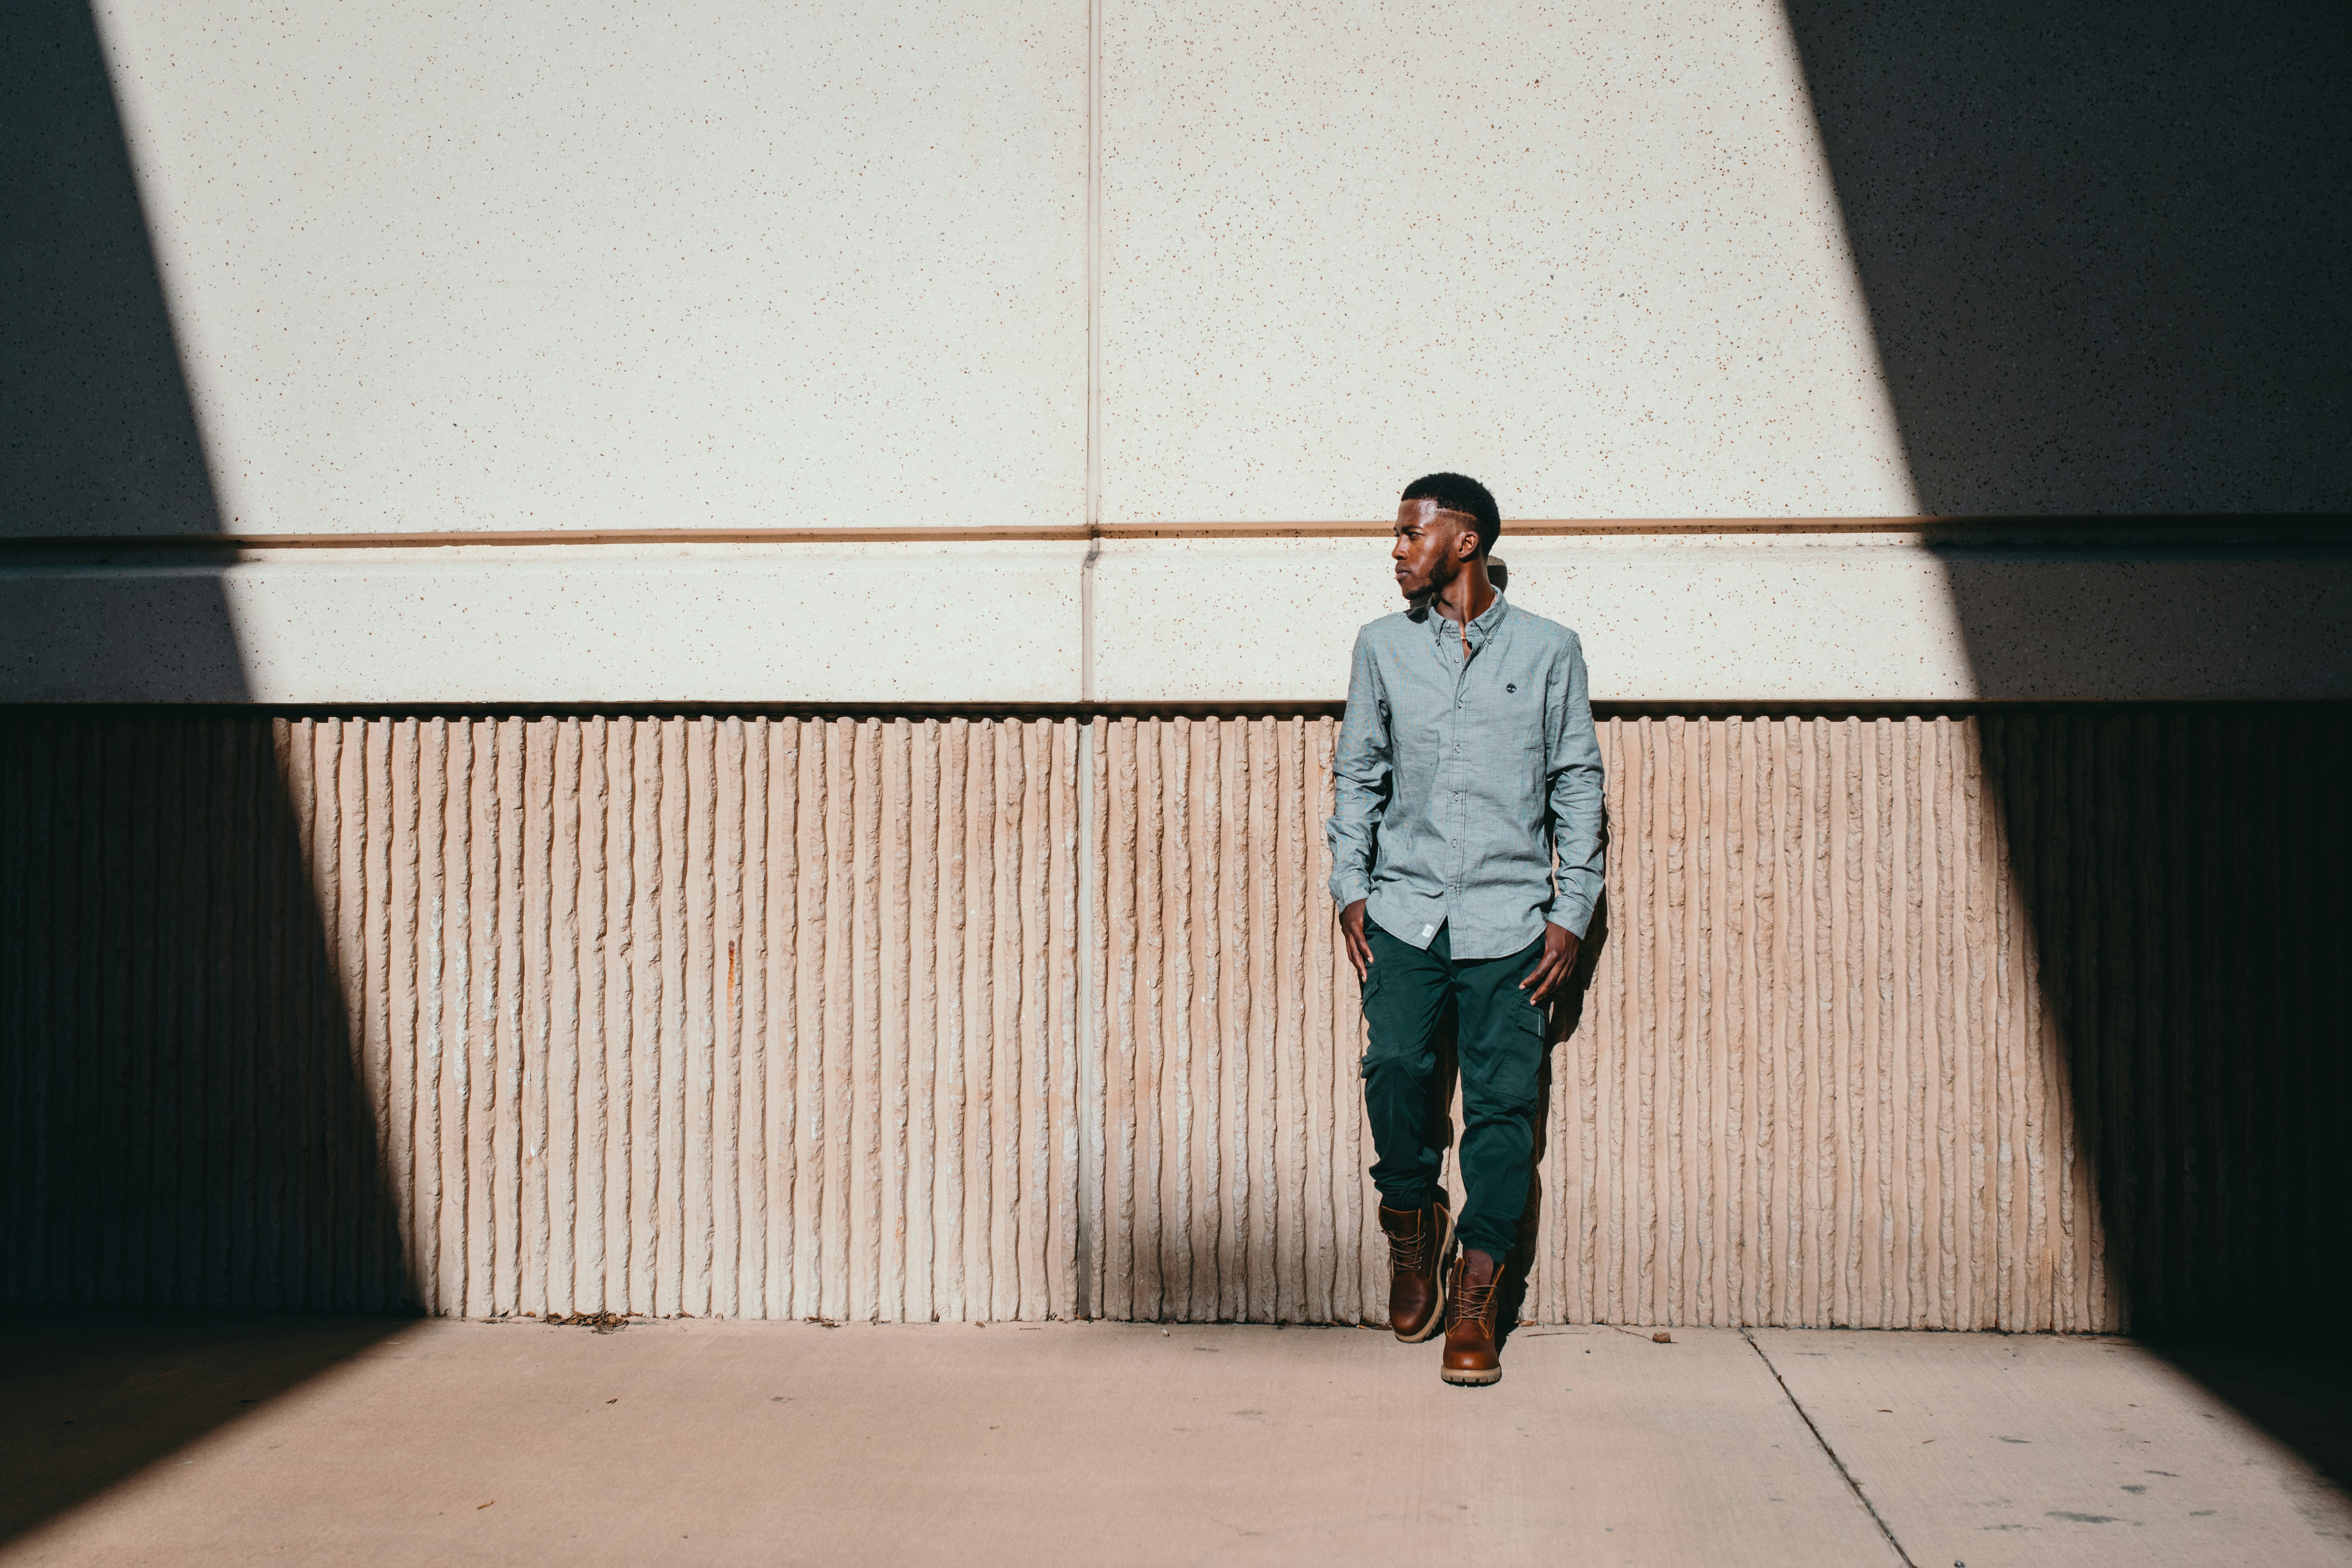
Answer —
1837 1464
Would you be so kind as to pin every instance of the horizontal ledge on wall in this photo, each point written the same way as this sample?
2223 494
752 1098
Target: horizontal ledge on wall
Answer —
1760 619
2236 528
1760 711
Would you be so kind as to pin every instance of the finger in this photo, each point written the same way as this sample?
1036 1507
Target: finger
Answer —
1556 972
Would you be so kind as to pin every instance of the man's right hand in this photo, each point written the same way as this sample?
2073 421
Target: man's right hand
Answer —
1360 951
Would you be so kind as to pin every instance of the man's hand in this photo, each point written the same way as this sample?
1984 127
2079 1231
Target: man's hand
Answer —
1558 958
1360 951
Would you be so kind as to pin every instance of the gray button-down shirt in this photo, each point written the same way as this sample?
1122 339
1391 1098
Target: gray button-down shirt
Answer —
1457 778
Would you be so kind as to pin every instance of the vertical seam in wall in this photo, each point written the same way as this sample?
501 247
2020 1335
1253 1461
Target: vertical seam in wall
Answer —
1090 1152
1084 1303
1094 353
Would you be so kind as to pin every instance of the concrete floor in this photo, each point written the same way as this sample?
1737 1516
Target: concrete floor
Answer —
195 1442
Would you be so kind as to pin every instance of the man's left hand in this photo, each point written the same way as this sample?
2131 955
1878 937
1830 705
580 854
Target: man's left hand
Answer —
1558 958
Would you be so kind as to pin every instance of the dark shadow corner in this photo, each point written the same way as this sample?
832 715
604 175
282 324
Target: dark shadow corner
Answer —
2104 250
2103 246
186 1140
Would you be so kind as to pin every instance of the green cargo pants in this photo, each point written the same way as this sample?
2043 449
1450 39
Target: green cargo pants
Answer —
1499 1043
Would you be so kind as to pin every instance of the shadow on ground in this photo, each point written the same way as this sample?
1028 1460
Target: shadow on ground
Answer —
90 1400
2293 1382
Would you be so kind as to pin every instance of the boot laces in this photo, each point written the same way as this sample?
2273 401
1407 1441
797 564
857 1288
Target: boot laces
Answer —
1408 1253
1471 1303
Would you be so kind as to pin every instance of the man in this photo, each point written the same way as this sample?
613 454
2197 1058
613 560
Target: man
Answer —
1467 756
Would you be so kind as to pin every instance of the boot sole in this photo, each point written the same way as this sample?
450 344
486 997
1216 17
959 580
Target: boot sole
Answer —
1436 1313
1471 1379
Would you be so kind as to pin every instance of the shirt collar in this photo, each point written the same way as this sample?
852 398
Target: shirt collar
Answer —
1480 629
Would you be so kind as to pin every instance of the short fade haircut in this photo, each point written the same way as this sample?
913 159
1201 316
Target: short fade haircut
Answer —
1460 492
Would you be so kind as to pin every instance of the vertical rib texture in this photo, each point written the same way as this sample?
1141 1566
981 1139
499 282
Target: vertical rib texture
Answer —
760 1017
1236 1149
2020 1022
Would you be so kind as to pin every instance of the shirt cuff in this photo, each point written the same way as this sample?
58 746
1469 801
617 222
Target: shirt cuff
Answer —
1347 888
1575 918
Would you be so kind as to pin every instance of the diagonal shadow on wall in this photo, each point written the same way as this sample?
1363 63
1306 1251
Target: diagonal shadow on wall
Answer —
185 1139
2102 249
2103 246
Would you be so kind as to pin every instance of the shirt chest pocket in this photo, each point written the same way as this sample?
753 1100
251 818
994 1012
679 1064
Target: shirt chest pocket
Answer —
1520 719
1506 751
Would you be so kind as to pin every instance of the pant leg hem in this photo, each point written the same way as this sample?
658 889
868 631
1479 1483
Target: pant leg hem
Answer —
1427 1197
1492 1249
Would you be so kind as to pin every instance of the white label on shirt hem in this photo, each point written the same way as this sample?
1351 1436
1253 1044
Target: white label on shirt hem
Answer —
1428 931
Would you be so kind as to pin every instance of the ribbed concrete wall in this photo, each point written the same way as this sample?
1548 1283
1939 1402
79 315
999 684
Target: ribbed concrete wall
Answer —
1814 1084
187 1110
2024 1021
1233 1181
766 1018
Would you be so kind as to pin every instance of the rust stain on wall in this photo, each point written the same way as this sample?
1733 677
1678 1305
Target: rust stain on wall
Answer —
2018 1021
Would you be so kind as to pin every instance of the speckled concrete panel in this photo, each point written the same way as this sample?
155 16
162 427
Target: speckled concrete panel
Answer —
1592 255
1730 620
868 623
550 265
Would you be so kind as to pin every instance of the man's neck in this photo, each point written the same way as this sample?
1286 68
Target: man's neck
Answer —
1466 598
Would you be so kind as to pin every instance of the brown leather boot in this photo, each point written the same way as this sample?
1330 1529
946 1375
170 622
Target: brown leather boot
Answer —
1417 1242
1470 1354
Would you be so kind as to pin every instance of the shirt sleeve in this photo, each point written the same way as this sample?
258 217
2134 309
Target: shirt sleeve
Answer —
1361 773
1578 825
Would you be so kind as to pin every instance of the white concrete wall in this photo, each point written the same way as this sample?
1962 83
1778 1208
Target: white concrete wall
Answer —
1590 254
559 270
549 265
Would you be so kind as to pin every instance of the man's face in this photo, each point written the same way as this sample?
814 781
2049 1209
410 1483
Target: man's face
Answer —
1431 546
